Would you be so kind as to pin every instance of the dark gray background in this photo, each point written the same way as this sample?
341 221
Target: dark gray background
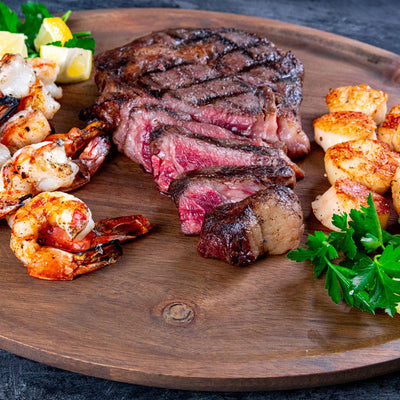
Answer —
373 22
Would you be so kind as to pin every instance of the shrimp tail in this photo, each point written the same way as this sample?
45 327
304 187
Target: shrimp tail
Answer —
77 139
95 152
121 228
97 257
90 161
53 264
9 205
8 107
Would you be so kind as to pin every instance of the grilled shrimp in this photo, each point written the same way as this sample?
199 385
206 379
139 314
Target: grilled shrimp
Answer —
358 98
24 128
30 81
95 144
76 139
39 98
4 154
389 131
16 76
341 126
46 166
46 229
46 71
34 169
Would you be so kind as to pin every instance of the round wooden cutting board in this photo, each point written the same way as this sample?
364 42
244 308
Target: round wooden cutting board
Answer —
164 316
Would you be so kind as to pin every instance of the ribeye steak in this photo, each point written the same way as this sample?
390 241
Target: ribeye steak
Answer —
236 81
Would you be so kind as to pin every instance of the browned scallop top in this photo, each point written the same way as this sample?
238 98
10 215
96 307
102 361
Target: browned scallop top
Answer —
360 98
359 193
345 122
392 120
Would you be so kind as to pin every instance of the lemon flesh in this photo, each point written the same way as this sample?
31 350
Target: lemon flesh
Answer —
52 30
75 63
12 43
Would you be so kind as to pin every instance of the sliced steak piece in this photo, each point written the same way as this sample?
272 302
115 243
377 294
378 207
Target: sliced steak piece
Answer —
132 135
175 150
225 77
197 192
241 232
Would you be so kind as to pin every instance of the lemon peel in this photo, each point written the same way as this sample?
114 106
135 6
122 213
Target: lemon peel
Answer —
52 30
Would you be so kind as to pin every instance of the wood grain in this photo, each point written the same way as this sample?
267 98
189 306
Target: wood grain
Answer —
163 316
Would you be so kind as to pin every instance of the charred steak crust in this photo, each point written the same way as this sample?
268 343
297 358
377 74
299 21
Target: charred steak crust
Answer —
236 80
197 192
241 232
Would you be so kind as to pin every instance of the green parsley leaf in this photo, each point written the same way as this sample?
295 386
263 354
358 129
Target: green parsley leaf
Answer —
366 225
367 274
34 14
339 276
8 19
364 277
81 42
340 221
390 261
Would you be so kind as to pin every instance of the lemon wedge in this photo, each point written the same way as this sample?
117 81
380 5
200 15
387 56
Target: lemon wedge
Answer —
75 63
12 43
52 30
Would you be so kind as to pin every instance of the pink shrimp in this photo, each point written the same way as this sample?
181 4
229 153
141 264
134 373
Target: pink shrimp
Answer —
56 239
46 166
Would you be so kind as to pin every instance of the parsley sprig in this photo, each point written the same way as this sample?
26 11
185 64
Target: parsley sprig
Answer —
362 261
34 14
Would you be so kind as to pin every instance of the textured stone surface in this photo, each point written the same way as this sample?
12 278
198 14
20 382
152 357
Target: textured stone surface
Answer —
373 22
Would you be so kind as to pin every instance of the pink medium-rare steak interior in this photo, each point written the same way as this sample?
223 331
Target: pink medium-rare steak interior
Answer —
197 192
132 136
175 151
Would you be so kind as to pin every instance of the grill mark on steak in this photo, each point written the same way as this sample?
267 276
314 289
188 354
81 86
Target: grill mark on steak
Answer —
198 191
284 176
202 93
177 77
241 232
228 58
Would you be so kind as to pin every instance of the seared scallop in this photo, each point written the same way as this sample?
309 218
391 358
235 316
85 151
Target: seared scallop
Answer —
345 195
389 132
369 162
341 126
396 191
358 98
